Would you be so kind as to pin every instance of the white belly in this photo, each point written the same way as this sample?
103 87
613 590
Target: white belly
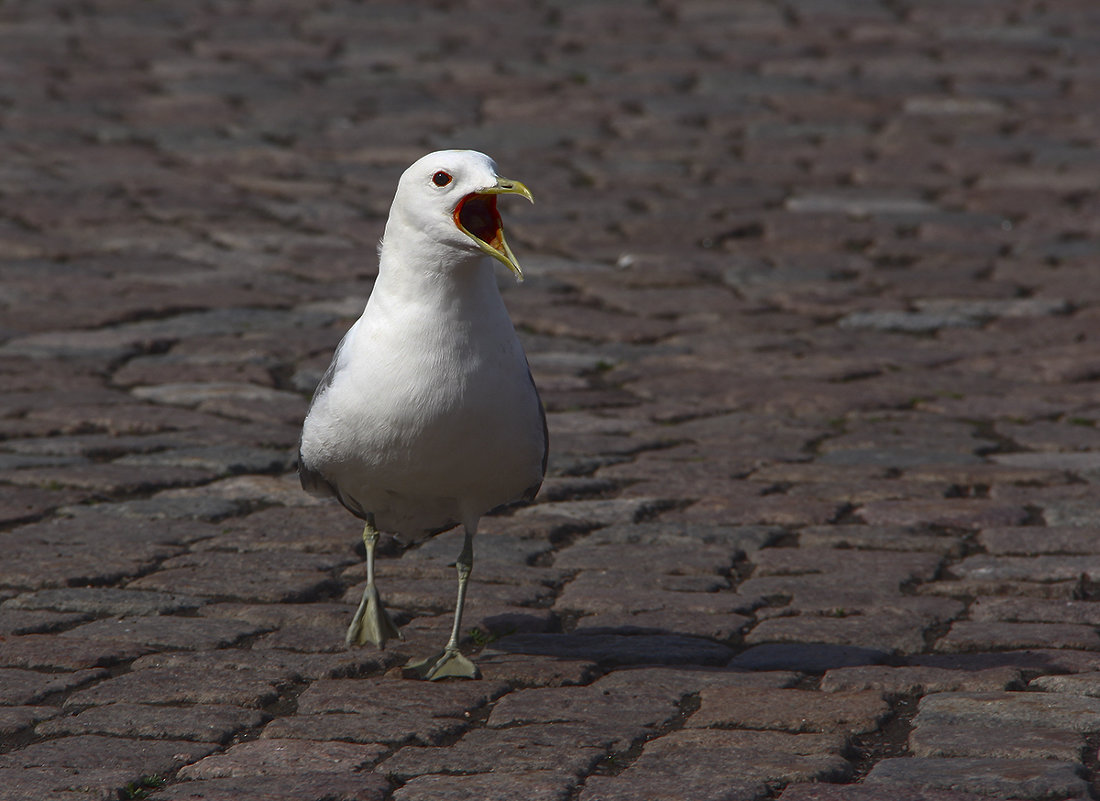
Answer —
423 427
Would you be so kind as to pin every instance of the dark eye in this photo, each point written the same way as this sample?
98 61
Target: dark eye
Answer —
441 178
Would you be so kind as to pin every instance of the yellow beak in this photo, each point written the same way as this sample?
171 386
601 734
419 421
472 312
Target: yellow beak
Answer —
476 216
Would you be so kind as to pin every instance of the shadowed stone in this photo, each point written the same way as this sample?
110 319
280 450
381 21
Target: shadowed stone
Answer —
617 649
918 680
811 658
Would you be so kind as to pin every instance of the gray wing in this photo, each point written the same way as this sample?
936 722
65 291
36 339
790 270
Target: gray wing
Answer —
313 481
533 490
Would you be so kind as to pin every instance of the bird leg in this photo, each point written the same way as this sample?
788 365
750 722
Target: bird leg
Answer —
450 661
372 623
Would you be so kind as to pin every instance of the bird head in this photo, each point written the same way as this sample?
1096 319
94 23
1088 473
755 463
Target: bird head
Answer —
451 196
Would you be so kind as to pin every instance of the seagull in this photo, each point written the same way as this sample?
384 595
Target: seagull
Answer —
428 416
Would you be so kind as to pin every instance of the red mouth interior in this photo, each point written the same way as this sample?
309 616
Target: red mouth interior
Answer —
477 215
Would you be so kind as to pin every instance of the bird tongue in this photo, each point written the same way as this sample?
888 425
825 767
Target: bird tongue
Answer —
477 215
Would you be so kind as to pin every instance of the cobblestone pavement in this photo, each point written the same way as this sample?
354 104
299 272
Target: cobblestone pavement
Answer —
813 307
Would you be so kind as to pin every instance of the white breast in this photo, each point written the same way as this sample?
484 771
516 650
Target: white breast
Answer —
431 417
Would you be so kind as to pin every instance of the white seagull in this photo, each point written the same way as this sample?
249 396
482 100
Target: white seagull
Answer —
427 416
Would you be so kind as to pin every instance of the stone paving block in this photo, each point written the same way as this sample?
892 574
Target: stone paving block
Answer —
218 459
304 639
829 590
503 548
63 783
73 560
919 680
371 696
811 658
1019 610
612 591
972 587
973 635
597 512
535 785
958 513
862 792
532 670
380 711
21 504
897 632
821 597
43 651
1049 710
638 709
617 649
698 762
15 720
166 632
720 626
291 511
1078 684
1008 778
301 786
17 621
1036 568
887 538
105 601
31 686
135 757
489 619
253 576
790 710
212 723
670 556
1031 662
1029 540
674 684
108 479
567 747
276 616
284 757
313 529
273 665
1001 742
160 507
398 727
179 686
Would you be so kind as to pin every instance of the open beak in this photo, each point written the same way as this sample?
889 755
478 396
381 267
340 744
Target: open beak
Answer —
476 216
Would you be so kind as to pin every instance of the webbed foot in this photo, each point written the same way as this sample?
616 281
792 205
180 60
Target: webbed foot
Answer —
372 623
446 664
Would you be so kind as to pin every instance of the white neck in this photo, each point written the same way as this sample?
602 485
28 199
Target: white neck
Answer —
415 269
